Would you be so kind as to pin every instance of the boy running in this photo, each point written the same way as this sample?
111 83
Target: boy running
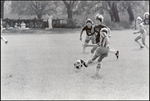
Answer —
99 19
146 21
101 51
141 36
89 34
1 32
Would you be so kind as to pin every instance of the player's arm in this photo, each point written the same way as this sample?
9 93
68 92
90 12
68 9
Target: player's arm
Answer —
91 45
138 32
109 34
106 42
93 30
82 33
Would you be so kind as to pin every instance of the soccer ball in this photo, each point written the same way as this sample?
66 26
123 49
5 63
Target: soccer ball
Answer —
78 64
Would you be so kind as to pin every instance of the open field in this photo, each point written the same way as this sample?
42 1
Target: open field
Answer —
40 66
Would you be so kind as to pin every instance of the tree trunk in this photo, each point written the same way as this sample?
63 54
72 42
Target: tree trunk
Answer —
69 11
39 16
115 12
130 12
111 15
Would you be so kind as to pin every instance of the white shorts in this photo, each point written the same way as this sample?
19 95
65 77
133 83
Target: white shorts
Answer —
92 37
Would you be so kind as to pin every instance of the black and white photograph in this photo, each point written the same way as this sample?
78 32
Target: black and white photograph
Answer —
74 50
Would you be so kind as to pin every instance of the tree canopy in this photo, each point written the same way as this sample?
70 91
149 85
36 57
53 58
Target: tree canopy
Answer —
69 8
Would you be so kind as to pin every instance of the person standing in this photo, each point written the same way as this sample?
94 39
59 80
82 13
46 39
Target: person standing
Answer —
50 22
45 20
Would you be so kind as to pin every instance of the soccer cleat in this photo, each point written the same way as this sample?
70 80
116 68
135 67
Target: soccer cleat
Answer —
142 47
6 42
98 66
82 61
117 54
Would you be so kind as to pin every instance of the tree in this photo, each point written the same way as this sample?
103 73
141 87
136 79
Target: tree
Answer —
91 7
113 11
126 6
133 8
69 5
32 7
130 12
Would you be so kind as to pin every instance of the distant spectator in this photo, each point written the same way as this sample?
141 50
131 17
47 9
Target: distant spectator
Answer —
45 20
18 21
50 22
16 25
34 22
23 25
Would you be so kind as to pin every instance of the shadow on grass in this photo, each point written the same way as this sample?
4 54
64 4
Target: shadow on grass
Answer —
137 49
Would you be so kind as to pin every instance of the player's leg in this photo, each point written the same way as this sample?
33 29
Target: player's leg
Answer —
93 39
143 42
4 40
147 29
116 52
92 52
98 67
136 40
89 61
87 39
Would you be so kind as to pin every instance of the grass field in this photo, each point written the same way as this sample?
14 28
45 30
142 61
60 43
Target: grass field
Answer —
39 65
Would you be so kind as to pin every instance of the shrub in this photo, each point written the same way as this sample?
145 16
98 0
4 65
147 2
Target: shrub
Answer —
118 25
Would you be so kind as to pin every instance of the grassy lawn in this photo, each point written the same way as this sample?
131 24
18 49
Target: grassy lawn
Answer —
39 65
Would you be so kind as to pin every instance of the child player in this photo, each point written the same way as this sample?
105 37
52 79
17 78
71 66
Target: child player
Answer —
99 19
146 21
141 36
1 32
101 51
89 34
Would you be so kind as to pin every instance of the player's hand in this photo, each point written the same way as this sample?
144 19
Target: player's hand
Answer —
85 45
80 39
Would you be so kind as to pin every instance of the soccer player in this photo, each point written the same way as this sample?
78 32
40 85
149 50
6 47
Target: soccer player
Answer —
101 51
89 34
138 21
146 21
141 36
1 32
99 19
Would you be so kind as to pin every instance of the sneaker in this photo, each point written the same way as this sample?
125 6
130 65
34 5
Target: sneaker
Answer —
6 42
98 66
117 54
82 61
142 47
